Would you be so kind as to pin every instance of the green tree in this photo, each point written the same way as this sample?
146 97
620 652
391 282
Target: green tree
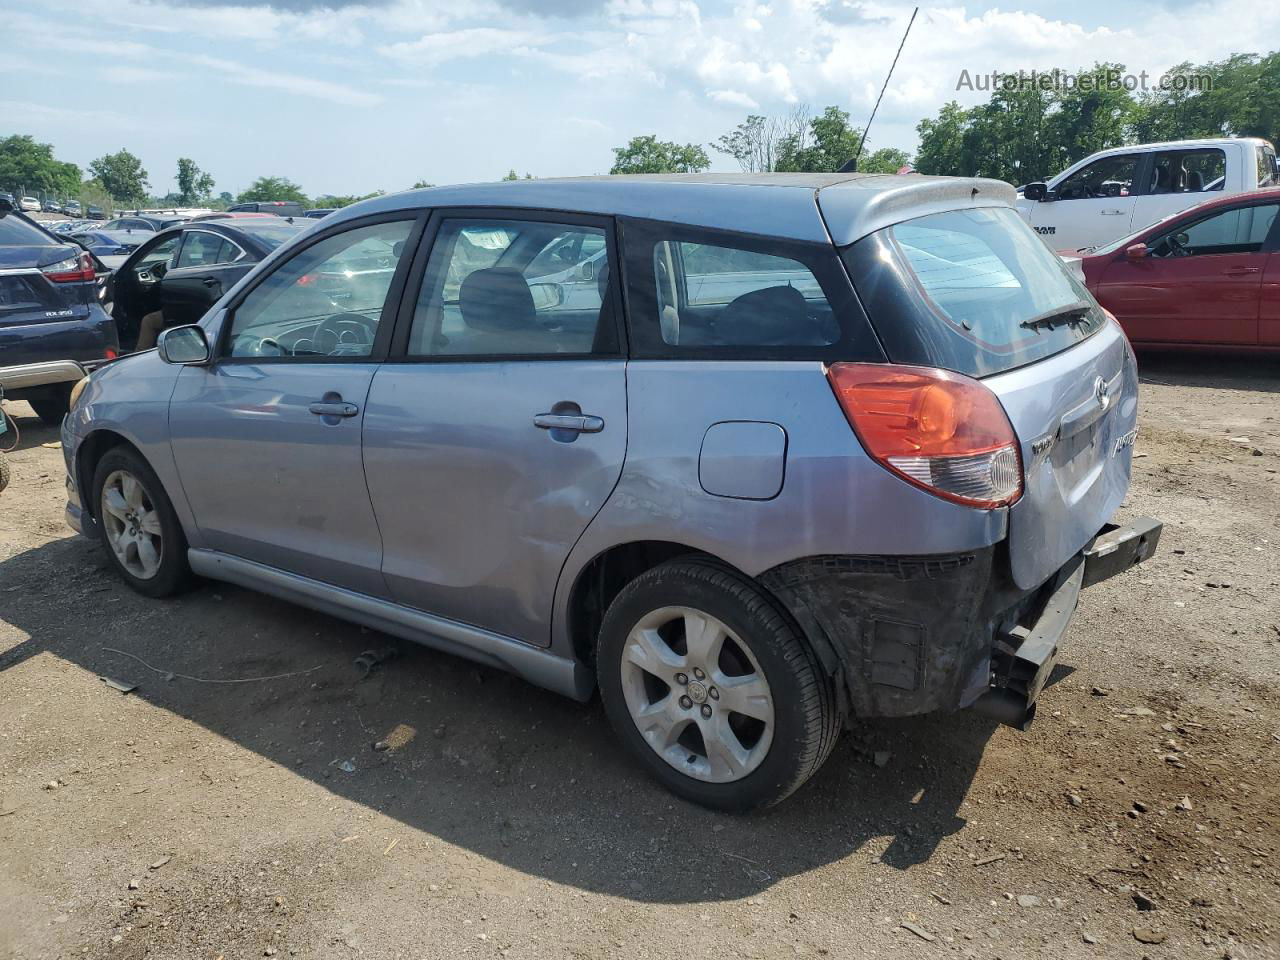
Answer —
30 166
421 185
121 175
827 145
648 154
193 183
273 188
343 200
512 175
884 160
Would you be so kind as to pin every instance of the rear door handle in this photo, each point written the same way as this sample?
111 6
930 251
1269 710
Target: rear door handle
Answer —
339 409
210 281
579 423
1240 271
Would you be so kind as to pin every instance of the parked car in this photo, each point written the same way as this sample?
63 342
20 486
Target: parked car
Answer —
8 201
320 212
51 206
29 205
52 326
228 215
185 269
1199 280
109 243
95 212
1114 192
744 509
71 208
281 208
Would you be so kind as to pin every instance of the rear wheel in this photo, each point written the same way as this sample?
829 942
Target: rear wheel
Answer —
713 688
137 524
51 403
4 471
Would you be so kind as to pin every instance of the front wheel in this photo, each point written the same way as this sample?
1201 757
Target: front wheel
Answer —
51 403
137 524
713 688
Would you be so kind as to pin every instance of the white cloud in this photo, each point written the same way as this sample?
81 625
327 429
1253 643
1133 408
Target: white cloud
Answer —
287 82
734 98
436 48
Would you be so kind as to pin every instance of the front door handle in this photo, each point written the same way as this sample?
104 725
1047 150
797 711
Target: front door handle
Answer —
1240 271
1113 213
210 281
578 423
334 409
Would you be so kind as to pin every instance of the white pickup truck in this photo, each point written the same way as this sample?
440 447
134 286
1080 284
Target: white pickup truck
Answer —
1115 192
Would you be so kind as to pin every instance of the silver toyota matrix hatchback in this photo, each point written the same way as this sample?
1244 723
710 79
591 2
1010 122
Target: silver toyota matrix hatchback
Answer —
752 455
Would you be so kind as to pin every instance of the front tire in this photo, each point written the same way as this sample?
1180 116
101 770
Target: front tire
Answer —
713 687
137 525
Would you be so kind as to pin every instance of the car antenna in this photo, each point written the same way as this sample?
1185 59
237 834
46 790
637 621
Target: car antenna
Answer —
851 166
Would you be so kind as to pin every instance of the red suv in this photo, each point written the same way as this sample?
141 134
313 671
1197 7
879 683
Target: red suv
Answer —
1207 278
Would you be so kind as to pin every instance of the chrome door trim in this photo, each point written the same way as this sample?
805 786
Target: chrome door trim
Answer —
534 664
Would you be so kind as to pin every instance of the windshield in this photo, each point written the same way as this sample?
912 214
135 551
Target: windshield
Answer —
14 231
957 290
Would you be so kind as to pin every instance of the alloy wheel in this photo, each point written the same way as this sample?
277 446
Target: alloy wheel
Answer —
132 524
697 694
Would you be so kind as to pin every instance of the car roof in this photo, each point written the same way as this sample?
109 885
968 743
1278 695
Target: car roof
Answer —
816 207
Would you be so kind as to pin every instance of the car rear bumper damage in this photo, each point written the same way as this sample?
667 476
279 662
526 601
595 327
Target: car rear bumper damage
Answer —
912 635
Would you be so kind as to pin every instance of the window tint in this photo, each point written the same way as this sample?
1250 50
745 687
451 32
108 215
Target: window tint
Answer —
201 249
16 231
719 295
1188 171
1108 177
1242 230
954 289
513 288
325 300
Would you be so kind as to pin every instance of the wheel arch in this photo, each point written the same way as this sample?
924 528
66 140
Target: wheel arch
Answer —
89 454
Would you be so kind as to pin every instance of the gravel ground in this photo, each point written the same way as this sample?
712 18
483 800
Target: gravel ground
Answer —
1137 818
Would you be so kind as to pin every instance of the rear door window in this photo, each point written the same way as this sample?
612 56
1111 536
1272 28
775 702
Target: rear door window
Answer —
957 290
1187 171
712 294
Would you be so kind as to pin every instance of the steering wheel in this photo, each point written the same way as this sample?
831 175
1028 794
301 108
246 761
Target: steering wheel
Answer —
328 333
1177 244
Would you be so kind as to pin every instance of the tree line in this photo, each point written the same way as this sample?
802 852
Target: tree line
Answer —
1023 132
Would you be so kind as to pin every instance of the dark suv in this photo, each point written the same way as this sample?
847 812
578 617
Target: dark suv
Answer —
52 327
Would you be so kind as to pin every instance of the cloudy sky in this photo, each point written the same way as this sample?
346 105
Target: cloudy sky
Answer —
348 97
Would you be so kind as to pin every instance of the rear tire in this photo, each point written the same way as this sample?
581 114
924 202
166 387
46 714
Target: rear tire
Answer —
138 526
713 687
51 403
4 471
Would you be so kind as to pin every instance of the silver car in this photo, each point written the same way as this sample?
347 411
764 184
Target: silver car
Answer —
750 455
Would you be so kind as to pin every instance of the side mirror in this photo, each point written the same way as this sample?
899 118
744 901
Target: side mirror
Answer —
183 345
1137 251
587 270
1035 191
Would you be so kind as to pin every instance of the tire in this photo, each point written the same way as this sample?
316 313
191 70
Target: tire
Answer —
4 471
737 761
136 517
52 403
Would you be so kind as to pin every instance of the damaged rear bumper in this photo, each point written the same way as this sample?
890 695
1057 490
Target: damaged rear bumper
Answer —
912 635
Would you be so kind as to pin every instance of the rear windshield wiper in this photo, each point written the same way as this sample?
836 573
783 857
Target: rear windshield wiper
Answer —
1071 313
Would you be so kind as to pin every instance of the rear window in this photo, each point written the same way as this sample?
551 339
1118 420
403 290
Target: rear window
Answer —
957 290
14 231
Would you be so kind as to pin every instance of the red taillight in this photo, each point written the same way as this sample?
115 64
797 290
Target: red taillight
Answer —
939 430
71 270
111 354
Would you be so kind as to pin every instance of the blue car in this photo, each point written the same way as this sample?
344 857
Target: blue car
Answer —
749 455
111 243
52 325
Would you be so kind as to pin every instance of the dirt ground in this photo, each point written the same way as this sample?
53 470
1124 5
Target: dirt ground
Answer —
1137 818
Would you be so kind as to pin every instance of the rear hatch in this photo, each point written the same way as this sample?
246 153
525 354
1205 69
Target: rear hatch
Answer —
33 286
976 291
